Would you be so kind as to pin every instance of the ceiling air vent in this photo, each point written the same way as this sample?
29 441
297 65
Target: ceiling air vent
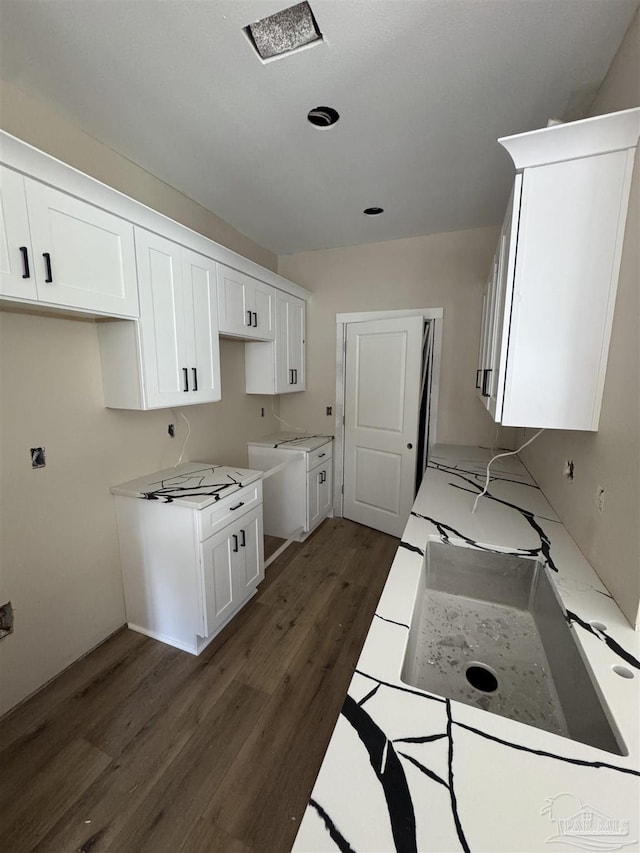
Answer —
284 32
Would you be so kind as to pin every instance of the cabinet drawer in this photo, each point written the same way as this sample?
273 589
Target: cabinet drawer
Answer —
320 454
214 517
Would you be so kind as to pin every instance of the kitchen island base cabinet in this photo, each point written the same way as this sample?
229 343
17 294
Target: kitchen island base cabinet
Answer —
181 588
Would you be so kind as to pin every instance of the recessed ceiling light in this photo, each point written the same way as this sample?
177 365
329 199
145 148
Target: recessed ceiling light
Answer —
323 116
373 211
284 32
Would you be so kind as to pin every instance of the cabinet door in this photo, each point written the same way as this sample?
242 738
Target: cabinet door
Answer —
289 344
165 362
572 217
295 341
17 275
84 257
245 305
503 296
325 497
219 555
496 311
201 327
233 316
233 566
262 303
315 483
250 567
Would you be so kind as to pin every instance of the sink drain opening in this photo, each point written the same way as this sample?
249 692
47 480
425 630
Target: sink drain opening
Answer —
481 677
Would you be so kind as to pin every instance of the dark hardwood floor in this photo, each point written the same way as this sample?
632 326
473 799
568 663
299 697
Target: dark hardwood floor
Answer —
141 747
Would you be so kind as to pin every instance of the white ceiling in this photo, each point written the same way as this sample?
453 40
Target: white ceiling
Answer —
423 87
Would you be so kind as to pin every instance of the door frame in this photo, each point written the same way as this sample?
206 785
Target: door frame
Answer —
342 321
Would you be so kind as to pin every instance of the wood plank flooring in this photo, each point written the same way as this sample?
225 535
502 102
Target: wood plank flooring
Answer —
141 748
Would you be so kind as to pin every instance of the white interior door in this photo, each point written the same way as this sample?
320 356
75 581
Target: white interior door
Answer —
382 398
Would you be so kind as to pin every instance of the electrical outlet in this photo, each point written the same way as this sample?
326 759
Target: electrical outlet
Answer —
599 498
569 470
6 619
37 457
329 410
171 430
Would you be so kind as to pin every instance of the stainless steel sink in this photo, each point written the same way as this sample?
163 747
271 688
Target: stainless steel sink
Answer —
488 630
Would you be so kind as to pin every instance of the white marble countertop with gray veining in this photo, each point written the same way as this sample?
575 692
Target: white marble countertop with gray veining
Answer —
409 770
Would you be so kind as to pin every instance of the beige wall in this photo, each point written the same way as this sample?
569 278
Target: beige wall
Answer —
36 123
441 270
59 547
58 543
609 458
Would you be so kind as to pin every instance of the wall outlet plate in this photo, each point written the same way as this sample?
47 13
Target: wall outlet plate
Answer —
37 457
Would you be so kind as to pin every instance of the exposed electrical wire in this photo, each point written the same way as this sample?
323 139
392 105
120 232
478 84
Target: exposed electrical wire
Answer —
498 456
283 422
186 439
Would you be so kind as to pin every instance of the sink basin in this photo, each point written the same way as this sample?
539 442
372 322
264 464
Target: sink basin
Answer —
488 630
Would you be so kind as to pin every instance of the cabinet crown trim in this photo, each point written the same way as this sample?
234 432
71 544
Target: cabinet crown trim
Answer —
585 138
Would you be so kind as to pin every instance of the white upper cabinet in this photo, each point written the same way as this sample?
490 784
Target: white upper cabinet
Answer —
170 357
58 250
246 306
278 367
17 276
495 323
550 300
289 344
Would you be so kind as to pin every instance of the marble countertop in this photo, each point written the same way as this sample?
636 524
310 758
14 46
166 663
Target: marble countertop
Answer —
192 484
291 441
408 770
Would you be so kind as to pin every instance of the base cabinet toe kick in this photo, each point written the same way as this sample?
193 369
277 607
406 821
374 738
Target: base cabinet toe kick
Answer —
191 562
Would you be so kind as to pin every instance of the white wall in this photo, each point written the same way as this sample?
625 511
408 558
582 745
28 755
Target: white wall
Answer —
609 458
441 270
59 561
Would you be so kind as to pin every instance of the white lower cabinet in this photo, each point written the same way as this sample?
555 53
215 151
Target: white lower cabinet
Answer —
171 356
188 571
319 492
313 478
231 567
